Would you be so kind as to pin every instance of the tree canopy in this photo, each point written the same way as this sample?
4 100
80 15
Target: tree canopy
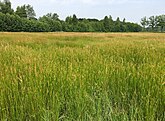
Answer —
23 19
25 11
5 7
153 23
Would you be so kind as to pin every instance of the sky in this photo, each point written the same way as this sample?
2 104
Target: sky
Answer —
132 10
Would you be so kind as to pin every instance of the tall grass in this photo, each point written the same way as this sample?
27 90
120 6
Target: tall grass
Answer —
82 77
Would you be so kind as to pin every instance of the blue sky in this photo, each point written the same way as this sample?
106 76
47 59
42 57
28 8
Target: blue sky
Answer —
132 10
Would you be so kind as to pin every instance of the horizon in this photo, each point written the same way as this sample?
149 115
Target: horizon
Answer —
98 9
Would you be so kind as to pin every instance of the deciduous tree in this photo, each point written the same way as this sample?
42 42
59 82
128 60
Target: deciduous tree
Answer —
5 7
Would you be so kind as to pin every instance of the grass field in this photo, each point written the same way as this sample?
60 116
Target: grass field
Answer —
82 77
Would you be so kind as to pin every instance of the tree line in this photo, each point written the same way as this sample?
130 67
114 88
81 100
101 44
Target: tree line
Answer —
23 19
153 23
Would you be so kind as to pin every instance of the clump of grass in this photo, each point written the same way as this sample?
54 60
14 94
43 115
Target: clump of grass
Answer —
115 77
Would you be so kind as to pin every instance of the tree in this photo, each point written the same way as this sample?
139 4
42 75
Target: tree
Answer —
53 16
118 25
21 11
97 26
74 20
106 23
30 12
72 23
52 21
25 11
152 22
68 20
118 20
5 7
110 18
144 22
124 20
132 27
84 26
161 22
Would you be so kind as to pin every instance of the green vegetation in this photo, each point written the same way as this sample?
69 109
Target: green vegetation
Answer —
153 23
23 20
87 77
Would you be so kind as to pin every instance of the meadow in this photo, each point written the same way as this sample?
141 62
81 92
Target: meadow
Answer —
82 76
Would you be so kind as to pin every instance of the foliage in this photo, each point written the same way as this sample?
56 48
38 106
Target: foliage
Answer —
5 7
106 24
25 11
24 20
21 11
52 21
154 23
14 23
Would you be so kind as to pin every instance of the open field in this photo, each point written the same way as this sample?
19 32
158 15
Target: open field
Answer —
82 77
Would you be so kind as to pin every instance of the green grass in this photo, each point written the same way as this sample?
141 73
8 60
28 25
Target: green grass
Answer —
82 77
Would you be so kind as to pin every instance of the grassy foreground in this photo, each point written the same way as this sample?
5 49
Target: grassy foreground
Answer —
82 77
